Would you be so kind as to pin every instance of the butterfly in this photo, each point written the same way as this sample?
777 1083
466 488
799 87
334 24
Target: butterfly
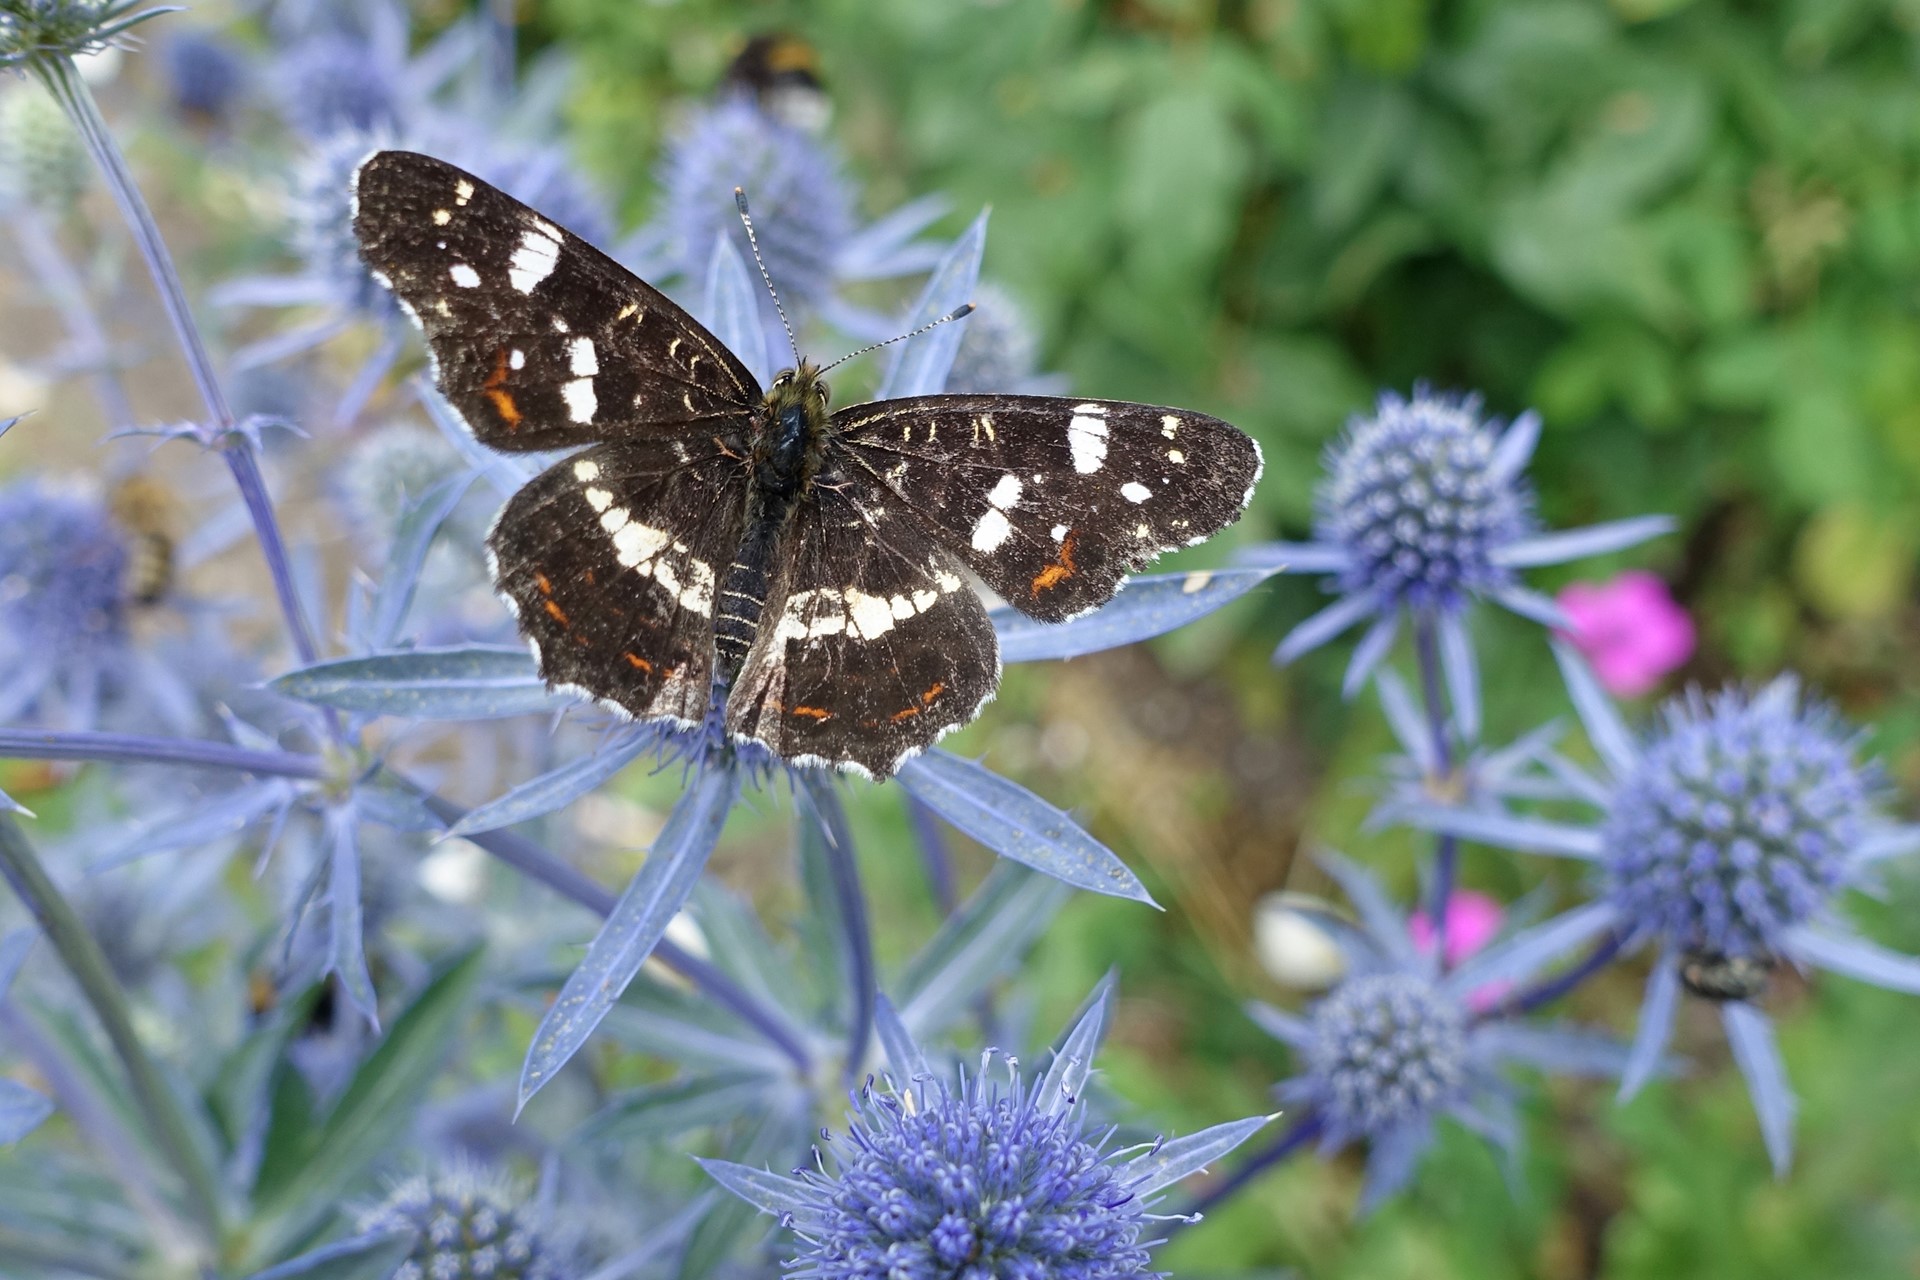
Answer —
709 537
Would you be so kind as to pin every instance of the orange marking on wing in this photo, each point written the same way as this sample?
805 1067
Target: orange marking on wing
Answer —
1062 569
907 714
543 582
926 699
812 713
495 389
559 615
639 662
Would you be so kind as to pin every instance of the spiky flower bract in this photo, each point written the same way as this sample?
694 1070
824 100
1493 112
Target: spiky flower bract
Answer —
802 201
998 350
982 1177
1726 837
465 1228
1422 510
1398 1045
31 30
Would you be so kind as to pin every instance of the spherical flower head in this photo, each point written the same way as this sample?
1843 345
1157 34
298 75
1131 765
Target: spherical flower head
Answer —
387 470
63 574
802 204
464 1228
332 84
997 349
1387 1050
323 224
43 161
1736 823
1414 495
977 1183
1630 629
205 74
43 29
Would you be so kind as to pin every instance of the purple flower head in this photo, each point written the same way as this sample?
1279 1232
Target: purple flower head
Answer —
1735 823
1725 838
331 84
465 1228
1420 499
1424 509
63 598
206 74
803 205
979 1182
1388 1049
998 350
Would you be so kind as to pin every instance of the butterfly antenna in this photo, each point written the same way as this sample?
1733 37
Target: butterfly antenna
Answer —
960 312
753 242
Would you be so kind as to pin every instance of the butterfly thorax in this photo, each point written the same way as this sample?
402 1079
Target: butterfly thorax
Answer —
788 444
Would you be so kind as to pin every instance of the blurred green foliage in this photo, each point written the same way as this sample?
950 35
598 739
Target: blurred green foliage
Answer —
1687 232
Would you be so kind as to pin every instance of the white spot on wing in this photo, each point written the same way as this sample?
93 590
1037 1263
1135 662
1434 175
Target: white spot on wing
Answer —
1169 425
1176 457
441 217
1059 533
462 192
533 261
581 402
581 359
464 276
615 520
1134 491
870 617
1087 439
636 543
1005 493
991 531
586 471
599 499
518 360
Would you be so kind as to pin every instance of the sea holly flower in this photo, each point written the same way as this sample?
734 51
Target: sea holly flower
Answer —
462 1226
206 75
1424 509
1725 839
1630 629
999 350
35 30
1399 1044
979 1176
1472 776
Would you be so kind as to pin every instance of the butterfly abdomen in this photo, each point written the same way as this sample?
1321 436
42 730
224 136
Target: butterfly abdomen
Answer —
742 598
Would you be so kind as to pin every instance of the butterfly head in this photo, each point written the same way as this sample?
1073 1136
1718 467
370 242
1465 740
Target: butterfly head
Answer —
790 432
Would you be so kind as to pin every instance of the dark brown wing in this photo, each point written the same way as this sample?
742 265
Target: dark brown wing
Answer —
609 560
539 340
872 645
1053 501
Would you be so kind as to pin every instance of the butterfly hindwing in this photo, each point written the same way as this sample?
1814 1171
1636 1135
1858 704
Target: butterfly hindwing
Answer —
872 645
1052 501
539 340
609 558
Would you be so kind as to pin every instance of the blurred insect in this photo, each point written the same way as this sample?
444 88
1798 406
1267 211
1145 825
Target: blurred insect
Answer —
782 72
1724 978
147 512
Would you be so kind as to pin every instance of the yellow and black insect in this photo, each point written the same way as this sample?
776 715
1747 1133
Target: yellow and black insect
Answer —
1725 978
147 513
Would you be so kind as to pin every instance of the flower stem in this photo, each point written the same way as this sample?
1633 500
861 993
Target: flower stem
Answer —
1305 1130
133 748
1528 999
64 82
852 902
82 956
1447 848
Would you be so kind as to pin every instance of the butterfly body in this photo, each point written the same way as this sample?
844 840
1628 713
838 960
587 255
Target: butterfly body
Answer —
708 536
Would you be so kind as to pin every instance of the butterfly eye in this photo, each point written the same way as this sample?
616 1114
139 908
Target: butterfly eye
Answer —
820 389
782 379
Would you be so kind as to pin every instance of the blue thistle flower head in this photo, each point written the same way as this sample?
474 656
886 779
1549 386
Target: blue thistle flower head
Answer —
998 350
979 1182
33 30
465 1227
63 588
1388 1049
332 83
206 75
802 202
1737 822
1417 496
322 233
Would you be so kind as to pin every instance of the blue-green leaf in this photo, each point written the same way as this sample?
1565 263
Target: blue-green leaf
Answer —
474 682
637 923
412 539
368 1257
556 788
987 936
1015 823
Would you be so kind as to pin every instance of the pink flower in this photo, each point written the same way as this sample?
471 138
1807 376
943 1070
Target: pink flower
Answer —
1629 629
1472 920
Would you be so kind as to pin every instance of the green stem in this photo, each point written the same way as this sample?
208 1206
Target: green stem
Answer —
82 956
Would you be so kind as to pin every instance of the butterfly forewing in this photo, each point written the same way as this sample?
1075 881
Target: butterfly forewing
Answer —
610 560
539 340
1053 501
872 645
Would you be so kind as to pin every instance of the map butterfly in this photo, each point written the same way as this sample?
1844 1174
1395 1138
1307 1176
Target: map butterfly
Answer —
711 537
